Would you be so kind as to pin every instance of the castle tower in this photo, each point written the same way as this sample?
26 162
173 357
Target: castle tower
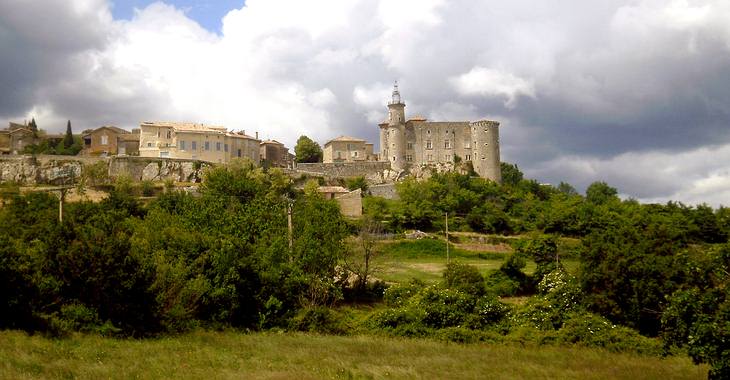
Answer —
486 161
395 132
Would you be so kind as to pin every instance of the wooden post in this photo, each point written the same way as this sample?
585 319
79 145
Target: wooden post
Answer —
447 239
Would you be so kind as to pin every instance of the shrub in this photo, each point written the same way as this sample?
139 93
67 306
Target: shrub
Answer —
318 319
399 295
444 307
465 278
488 311
595 331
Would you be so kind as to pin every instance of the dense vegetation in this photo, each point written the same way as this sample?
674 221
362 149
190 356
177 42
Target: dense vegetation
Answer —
652 278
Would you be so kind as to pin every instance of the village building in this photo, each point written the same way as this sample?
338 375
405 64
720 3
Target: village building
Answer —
16 137
195 141
109 140
274 154
350 202
348 149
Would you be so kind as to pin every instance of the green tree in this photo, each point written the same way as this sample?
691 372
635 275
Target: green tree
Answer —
307 150
567 189
511 174
68 139
698 317
599 193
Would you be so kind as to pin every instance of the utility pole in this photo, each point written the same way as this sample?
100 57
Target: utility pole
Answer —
289 207
447 238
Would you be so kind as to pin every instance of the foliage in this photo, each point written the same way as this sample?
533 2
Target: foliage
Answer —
511 174
307 150
698 317
600 193
355 183
465 278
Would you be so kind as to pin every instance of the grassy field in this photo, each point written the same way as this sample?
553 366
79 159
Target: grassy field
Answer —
223 355
425 260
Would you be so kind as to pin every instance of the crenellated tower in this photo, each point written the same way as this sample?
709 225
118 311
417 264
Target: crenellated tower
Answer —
486 161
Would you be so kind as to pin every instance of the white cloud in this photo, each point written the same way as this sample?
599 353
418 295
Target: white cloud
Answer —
492 82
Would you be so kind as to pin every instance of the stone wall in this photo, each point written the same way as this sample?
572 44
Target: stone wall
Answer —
386 190
351 203
57 170
344 169
157 169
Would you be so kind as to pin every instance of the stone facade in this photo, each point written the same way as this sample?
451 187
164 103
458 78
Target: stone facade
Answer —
416 142
274 153
109 140
16 137
196 142
348 149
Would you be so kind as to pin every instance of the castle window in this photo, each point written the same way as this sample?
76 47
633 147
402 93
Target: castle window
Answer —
218 146
447 144
354 154
486 130
239 153
207 145
104 139
225 147
430 157
428 131
182 145
194 145
149 145
409 158
429 145
393 158
410 145
467 157
486 144
447 157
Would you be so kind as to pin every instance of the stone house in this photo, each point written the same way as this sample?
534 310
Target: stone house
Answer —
350 202
348 149
16 137
274 153
195 141
109 140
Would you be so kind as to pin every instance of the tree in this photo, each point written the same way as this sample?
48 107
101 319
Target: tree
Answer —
360 261
68 140
307 150
600 193
699 317
511 174
567 189
33 126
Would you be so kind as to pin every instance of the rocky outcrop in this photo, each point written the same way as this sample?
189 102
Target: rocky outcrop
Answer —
57 170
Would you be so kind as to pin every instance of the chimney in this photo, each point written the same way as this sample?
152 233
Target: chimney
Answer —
243 131
257 135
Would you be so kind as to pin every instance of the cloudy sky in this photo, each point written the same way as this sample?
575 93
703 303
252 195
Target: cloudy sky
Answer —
634 93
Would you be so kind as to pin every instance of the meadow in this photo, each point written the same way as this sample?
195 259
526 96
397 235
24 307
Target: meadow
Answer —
224 355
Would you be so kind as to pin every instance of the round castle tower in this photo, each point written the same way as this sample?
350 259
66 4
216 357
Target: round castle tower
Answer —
485 135
394 138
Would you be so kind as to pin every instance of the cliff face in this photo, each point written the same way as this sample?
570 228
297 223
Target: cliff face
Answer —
58 170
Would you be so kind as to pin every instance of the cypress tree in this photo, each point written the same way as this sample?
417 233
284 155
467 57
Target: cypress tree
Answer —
68 140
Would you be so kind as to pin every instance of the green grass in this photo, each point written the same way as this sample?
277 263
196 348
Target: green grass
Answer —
224 355
425 260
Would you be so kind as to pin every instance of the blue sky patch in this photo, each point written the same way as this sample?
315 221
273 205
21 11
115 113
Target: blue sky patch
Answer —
208 13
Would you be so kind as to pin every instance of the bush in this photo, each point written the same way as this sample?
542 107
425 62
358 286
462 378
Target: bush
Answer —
399 295
465 278
444 307
595 331
317 319
488 311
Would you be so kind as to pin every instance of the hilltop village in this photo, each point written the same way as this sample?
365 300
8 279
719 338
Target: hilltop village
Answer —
407 144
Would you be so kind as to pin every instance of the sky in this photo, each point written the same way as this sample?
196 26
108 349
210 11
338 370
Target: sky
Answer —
635 93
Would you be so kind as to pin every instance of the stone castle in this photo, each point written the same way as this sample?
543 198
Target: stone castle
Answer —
416 142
